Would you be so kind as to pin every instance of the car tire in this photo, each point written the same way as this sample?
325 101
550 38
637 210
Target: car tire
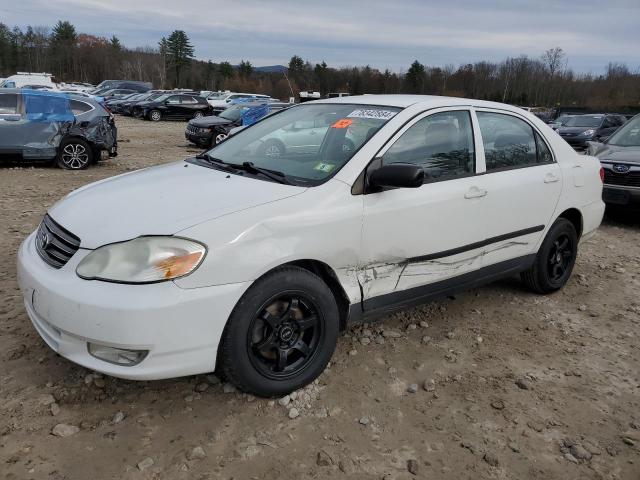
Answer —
272 148
220 137
555 259
281 334
198 115
74 154
155 115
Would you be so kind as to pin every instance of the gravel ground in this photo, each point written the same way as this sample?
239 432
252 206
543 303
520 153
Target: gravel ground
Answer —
496 383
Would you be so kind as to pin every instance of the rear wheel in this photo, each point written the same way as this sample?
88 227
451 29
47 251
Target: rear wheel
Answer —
555 259
74 154
198 115
155 115
281 334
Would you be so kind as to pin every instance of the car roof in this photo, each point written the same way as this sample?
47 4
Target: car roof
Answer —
404 101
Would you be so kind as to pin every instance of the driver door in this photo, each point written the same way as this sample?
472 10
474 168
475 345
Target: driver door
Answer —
415 239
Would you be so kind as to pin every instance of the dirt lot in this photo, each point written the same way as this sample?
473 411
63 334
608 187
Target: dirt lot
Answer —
496 383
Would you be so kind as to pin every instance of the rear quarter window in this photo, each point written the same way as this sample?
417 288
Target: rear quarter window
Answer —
78 107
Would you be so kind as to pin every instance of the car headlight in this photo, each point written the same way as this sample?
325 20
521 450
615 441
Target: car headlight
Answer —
143 260
588 133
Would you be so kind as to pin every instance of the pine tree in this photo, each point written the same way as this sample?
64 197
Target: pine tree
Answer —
180 52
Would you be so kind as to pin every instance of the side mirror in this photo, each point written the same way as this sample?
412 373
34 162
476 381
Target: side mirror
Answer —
397 175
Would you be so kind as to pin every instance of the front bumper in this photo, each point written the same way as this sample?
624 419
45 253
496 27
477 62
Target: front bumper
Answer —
578 142
181 328
201 138
621 195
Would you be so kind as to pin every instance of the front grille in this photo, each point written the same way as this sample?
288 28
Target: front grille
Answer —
629 179
55 244
192 129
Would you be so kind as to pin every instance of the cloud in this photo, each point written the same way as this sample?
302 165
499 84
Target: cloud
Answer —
359 32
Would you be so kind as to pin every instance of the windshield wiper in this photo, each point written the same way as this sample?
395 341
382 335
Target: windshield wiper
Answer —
272 174
227 167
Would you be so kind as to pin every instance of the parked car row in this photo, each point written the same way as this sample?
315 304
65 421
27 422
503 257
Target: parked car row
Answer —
213 129
578 130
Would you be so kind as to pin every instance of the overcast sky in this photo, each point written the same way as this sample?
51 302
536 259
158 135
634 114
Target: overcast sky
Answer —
381 33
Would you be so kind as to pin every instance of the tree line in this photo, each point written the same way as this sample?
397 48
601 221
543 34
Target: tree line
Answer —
544 81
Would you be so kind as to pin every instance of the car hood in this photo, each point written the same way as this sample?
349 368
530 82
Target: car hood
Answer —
160 200
614 154
209 121
575 130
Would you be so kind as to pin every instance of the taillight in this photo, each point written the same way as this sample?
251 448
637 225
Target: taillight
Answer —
602 174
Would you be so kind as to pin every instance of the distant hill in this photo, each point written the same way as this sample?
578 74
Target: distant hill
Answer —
268 69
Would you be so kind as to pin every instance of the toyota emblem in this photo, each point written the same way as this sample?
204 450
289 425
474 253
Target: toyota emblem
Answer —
44 239
620 168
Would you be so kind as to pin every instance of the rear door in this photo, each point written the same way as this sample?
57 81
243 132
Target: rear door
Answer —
522 181
173 107
12 124
188 106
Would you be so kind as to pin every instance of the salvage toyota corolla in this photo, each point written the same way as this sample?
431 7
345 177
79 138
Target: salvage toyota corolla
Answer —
249 259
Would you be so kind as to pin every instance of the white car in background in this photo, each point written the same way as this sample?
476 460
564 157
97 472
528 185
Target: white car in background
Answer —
222 100
250 264
30 80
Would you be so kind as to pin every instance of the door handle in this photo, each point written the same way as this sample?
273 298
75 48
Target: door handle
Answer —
475 192
551 178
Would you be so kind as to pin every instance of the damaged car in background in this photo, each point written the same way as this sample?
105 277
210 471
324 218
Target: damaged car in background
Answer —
251 264
70 130
213 129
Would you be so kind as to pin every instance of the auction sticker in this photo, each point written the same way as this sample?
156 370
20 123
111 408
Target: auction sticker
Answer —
324 167
342 123
372 113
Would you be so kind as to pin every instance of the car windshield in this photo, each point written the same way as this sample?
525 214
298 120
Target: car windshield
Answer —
628 135
584 121
307 143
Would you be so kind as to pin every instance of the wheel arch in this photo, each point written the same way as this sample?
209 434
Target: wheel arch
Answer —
575 217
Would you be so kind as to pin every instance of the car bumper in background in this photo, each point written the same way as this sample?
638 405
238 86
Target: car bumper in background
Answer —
178 328
621 195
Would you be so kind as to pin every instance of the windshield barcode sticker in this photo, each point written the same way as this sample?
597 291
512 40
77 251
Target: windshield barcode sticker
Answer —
378 114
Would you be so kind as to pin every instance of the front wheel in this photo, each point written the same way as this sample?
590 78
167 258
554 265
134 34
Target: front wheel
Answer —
74 154
155 115
198 115
281 334
220 137
555 259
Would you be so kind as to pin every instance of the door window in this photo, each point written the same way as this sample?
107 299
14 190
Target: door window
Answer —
510 142
78 107
8 104
173 100
442 144
188 100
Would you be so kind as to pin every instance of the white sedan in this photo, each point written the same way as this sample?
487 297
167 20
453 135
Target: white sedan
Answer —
250 264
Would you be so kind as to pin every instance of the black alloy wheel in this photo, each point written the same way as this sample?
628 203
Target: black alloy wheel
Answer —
554 262
284 335
560 257
281 334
